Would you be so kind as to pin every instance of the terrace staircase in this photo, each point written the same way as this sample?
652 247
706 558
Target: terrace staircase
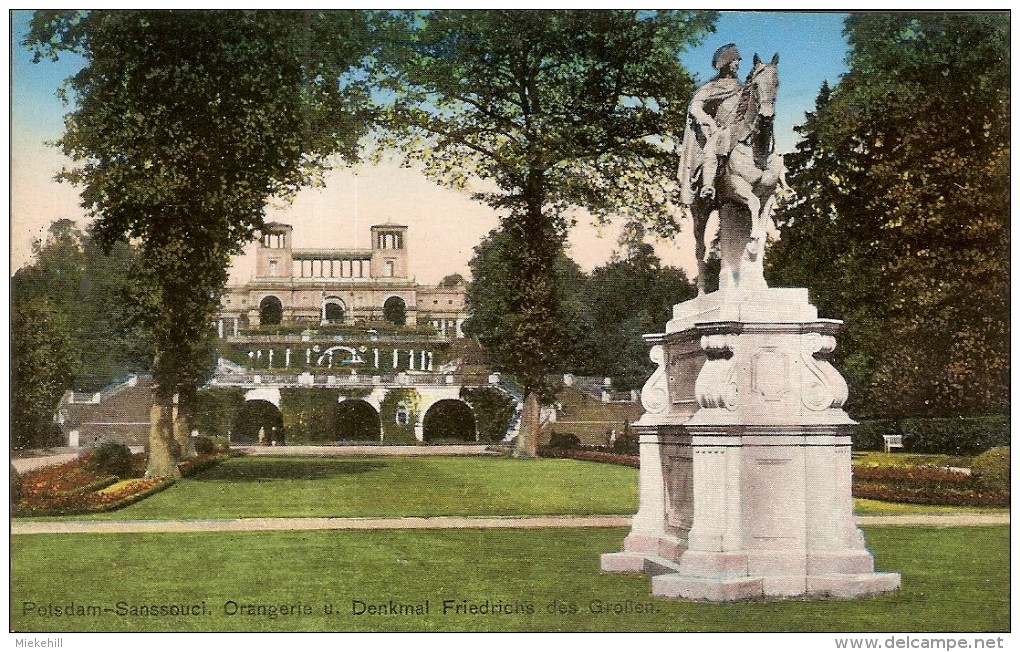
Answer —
117 414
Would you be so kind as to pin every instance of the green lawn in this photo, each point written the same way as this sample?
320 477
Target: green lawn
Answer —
260 486
868 507
954 579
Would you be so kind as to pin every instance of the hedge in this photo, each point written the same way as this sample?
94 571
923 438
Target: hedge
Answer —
393 432
961 436
309 414
492 409
991 469
215 409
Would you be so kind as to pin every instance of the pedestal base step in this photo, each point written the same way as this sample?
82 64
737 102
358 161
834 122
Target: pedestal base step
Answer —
735 588
632 562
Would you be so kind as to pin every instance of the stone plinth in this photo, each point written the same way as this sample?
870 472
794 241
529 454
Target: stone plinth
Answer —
745 457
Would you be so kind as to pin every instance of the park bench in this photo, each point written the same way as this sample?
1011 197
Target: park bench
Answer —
893 441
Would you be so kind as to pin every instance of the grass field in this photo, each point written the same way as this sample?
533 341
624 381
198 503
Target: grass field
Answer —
250 487
954 579
260 486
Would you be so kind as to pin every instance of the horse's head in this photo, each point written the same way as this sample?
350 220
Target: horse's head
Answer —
764 82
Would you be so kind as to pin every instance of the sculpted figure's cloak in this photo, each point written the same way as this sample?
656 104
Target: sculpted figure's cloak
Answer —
718 98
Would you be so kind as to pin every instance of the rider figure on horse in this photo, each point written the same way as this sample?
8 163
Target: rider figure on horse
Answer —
708 136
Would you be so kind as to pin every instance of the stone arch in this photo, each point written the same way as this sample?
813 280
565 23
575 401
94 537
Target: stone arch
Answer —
270 310
257 421
357 420
355 356
449 420
395 310
334 310
269 394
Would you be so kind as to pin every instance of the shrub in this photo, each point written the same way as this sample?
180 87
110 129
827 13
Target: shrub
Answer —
869 435
15 485
991 470
626 444
955 436
961 436
564 440
493 411
111 459
204 445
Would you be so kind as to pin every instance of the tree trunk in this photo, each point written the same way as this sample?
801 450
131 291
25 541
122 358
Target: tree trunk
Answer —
185 404
527 438
163 450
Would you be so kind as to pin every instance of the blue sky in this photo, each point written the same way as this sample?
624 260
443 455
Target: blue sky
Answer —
811 48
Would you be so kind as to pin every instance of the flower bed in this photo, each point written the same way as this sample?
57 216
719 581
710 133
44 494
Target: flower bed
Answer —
931 495
193 465
74 476
913 476
105 500
586 455
924 485
75 488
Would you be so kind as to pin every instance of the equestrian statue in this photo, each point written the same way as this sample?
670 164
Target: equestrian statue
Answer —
728 164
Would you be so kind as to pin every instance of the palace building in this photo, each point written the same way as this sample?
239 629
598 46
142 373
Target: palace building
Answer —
317 287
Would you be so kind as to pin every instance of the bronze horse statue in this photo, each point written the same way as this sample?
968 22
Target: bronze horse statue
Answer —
746 186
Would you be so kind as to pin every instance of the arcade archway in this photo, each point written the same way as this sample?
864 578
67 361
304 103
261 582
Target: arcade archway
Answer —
257 422
357 420
449 420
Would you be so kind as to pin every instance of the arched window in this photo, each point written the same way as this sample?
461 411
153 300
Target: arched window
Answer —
403 416
395 311
334 311
270 311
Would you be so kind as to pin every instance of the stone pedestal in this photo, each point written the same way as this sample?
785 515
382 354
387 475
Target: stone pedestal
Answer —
745 457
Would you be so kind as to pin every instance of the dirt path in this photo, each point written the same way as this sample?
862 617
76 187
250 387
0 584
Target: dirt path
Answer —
426 523
26 464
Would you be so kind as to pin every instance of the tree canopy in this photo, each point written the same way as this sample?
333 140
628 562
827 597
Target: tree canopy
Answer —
42 368
89 288
185 124
901 226
550 111
631 295
601 316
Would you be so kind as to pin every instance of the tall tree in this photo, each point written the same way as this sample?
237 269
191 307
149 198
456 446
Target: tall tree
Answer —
553 111
42 366
88 287
902 224
186 122
631 295
491 300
